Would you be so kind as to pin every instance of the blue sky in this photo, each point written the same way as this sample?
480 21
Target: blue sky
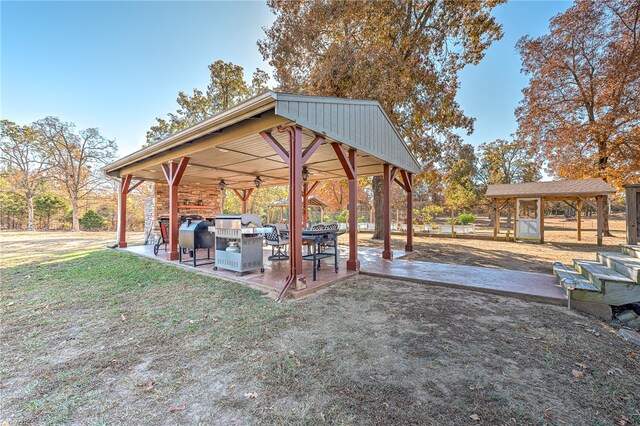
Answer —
118 65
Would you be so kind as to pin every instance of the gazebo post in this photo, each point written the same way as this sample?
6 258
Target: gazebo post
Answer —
244 197
353 264
122 212
305 203
386 209
294 159
600 201
173 173
579 217
349 162
408 186
541 220
125 189
515 218
496 219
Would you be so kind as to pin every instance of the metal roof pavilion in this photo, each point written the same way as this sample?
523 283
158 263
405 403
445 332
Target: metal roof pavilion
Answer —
229 145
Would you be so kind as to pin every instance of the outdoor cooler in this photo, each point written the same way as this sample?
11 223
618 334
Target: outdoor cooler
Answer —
238 242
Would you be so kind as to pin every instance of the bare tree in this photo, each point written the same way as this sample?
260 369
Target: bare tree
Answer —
74 157
23 153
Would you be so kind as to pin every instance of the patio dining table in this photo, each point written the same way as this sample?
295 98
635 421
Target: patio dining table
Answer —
320 239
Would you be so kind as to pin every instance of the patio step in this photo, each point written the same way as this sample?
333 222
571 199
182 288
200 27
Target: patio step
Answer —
569 277
630 250
627 265
600 274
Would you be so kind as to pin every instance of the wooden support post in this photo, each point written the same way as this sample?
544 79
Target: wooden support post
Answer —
306 193
122 214
632 198
350 166
296 276
173 173
579 217
244 197
541 220
386 212
496 219
305 204
408 186
515 219
353 264
125 189
600 202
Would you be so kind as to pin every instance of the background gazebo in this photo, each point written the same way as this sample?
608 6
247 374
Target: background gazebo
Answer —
529 200
278 211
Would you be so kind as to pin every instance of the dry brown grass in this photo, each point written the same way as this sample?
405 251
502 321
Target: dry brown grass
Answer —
95 336
560 245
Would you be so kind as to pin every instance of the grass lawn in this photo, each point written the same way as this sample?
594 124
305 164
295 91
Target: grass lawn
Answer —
95 336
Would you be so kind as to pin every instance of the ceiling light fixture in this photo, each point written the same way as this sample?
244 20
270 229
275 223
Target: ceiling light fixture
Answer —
223 150
305 173
222 184
258 181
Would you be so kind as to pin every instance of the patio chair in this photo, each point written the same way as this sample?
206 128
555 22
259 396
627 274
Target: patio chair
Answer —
277 243
163 239
327 226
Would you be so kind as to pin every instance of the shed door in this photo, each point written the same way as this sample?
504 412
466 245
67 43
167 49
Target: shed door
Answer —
528 218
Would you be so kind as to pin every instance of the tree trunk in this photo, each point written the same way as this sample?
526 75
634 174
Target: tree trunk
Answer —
48 225
508 218
30 226
376 186
453 223
75 220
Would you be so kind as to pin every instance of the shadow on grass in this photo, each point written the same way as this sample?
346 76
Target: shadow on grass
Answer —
76 323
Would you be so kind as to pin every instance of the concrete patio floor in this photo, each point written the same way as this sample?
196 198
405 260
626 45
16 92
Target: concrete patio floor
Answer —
273 278
530 286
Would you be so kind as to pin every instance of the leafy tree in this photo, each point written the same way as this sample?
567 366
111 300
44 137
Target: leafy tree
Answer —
581 110
428 213
13 206
405 54
92 221
22 151
226 88
507 162
48 205
74 156
259 82
459 196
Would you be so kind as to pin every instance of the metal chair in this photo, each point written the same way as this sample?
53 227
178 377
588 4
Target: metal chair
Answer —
277 243
326 226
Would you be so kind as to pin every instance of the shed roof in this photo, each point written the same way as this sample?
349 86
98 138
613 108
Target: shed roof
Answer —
560 188
228 145
284 202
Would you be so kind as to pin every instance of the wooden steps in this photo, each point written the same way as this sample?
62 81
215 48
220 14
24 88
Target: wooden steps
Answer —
627 265
600 274
569 278
612 279
629 250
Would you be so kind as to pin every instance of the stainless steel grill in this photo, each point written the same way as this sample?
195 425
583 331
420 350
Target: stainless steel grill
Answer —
238 241
194 235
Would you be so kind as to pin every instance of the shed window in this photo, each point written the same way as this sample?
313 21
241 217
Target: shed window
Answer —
528 209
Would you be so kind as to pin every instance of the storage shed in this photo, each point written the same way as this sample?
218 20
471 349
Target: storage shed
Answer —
529 198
